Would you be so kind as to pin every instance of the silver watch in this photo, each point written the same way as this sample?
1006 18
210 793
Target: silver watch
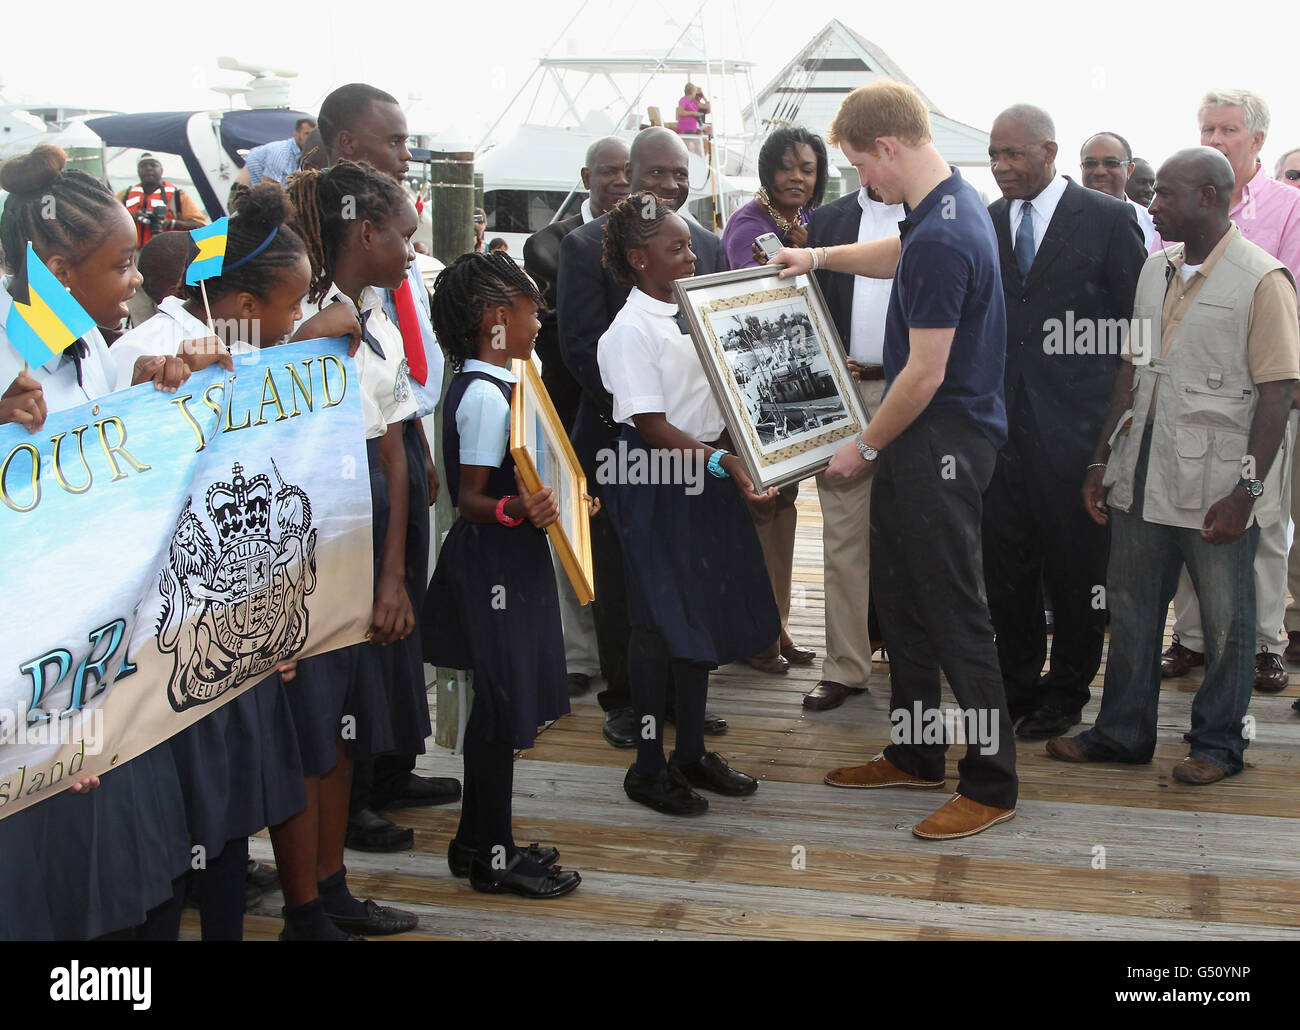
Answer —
868 452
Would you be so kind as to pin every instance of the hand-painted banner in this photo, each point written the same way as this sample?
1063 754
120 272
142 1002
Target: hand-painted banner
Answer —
162 552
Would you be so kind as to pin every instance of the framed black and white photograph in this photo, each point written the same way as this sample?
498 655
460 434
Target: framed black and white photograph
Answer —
777 369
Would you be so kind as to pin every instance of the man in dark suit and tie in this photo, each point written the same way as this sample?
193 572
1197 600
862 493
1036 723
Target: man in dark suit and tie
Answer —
1070 262
604 177
858 306
587 299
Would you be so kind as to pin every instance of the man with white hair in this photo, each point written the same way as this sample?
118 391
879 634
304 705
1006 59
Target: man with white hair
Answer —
1235 123
1287 169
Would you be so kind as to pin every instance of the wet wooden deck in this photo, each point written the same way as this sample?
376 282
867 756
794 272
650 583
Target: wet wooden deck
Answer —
1094 852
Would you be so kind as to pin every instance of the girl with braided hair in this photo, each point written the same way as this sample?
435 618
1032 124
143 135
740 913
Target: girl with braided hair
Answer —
697 591
111 862
355 225
492 605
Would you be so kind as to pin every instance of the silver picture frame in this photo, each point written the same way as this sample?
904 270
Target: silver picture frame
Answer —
777 369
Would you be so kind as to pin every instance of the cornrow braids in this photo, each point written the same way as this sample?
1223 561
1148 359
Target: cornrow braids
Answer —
463 292
325 202
61 211
631 223
263 210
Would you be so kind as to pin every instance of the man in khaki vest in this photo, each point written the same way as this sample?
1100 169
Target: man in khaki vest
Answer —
1189 437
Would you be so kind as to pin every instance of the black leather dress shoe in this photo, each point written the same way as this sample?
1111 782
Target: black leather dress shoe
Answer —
713 773
620 727
1046 723
368 831
714 725
459 857
379 921
264 876
252 895
666 791
828 694
553 883
579 684
415 791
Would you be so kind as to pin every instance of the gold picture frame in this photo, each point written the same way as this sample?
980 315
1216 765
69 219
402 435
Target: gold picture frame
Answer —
545 457
777 369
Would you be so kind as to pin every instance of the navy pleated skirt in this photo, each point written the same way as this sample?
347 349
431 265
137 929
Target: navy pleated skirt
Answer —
695 572
370 696
239 767
493 607
81 865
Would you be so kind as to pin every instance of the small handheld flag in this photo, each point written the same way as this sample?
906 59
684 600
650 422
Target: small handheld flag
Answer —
45 318
207 252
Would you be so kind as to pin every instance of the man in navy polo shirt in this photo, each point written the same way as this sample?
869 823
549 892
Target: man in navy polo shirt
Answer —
931 448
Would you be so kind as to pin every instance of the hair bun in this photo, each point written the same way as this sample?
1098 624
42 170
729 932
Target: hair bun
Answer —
31 173
266 206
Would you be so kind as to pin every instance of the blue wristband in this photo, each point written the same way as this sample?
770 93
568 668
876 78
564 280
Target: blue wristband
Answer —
715 464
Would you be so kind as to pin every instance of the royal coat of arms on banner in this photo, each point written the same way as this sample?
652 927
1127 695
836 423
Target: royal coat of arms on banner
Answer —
234 608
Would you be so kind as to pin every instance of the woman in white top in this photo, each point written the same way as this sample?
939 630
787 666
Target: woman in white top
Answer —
112 862
698 595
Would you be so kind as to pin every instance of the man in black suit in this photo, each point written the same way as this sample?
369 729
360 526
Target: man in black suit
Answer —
587 299
1070 262
858 307
604 177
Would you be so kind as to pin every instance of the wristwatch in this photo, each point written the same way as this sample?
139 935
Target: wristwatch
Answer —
868 452
1252 486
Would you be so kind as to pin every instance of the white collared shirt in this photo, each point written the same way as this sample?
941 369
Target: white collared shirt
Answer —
162 334
871 296
587 216
483 418
386 395
647 364
1044 207
1145 223
58 376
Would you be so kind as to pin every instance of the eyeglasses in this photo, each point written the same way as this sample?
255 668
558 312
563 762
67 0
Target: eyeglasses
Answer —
1112 163
1292 173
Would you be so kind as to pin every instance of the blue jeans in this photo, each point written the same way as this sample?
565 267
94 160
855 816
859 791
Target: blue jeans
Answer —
1145 560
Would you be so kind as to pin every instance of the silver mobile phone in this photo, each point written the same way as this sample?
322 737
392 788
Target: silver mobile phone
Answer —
770 244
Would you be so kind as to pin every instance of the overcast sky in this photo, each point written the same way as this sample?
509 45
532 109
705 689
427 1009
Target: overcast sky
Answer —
1136 69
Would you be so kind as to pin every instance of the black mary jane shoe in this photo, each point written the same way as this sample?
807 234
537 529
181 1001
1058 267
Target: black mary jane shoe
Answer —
379 921
369 831
459 856
713 773
553 883
665 791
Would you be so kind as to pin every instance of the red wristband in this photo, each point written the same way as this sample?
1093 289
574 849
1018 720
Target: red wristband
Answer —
502 517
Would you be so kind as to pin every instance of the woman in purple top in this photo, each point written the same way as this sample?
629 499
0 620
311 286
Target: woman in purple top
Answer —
792 169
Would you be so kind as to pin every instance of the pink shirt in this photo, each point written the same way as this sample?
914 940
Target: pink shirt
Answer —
692 124
1268 216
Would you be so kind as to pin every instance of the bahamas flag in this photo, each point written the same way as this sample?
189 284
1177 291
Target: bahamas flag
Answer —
207 251
45 319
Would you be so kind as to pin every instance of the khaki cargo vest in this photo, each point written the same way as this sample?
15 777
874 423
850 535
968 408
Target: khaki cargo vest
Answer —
1206 400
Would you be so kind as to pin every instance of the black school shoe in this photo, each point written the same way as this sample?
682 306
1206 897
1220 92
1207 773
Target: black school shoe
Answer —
379 921
666 791
368 831
553 883
714 725
460 856
416 791
713 773
263 875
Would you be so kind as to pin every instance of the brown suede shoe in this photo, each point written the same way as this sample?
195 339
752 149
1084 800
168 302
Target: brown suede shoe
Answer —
879 772
1064 749
1197 772
961 817
1292 652
1178 659
1270 673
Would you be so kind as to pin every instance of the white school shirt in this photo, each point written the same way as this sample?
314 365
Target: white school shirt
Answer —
58 376
163 333
647 364
483 418
1044 206
1145 223
871 296
386 395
